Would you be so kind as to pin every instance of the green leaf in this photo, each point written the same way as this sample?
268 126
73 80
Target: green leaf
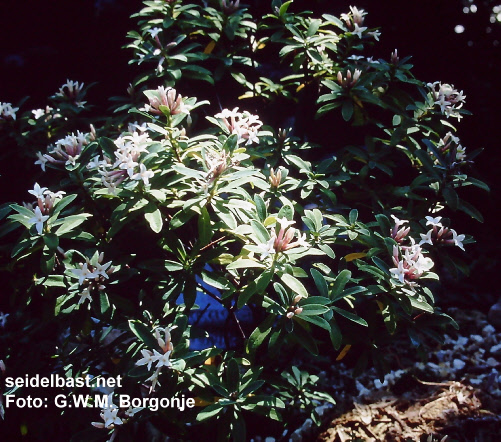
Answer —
204 227
262 234
51 241
470 210
225 215
259 334
232 376
260 207
314 309
479 184
62 203
143 333
250 388
238 430
305 338
347 109
294 284
244 264
154 217
341 280
209 412
451 197
69 223
104 302
335 334
384 224
350 316
320 282
353 216
318 321
52 281
255 286
172 266
421 305
381 264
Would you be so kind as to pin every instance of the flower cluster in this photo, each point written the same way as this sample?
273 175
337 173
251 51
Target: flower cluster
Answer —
42 206
440 234
282 241
275 178
399 233
294 309
7 112
66 150
71 91
410 263
354 20
451 147
169 98
216 163
448 98
92 276
350 80
46 113
155 357
109 415
243 124
130 146
230 6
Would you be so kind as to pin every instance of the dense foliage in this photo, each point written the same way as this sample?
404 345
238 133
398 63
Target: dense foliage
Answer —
314 220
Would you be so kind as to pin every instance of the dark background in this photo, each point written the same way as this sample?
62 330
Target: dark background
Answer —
44 43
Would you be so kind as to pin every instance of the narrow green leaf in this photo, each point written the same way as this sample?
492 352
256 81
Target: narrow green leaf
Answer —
350 316
259 334
143 333
294 284
341 280
320 282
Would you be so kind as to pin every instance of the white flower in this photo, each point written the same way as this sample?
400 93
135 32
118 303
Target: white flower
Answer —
458 239
6 110
426 239
37 113
267 249
94 163
83 273
41 160
100 269
154 379
3 319
399 271
358 30
84 295
147 359
164 343
162 359
375 34
154 32
423 264
132 411
144 175
399 222
226 113
434 221
38 192
284 222
109 415
38 220
358 15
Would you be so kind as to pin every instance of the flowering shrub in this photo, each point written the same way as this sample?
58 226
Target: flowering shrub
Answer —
293 226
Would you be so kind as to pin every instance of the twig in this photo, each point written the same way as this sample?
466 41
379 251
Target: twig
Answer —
212 243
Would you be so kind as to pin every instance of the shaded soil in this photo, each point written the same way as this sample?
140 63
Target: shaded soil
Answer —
455 396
